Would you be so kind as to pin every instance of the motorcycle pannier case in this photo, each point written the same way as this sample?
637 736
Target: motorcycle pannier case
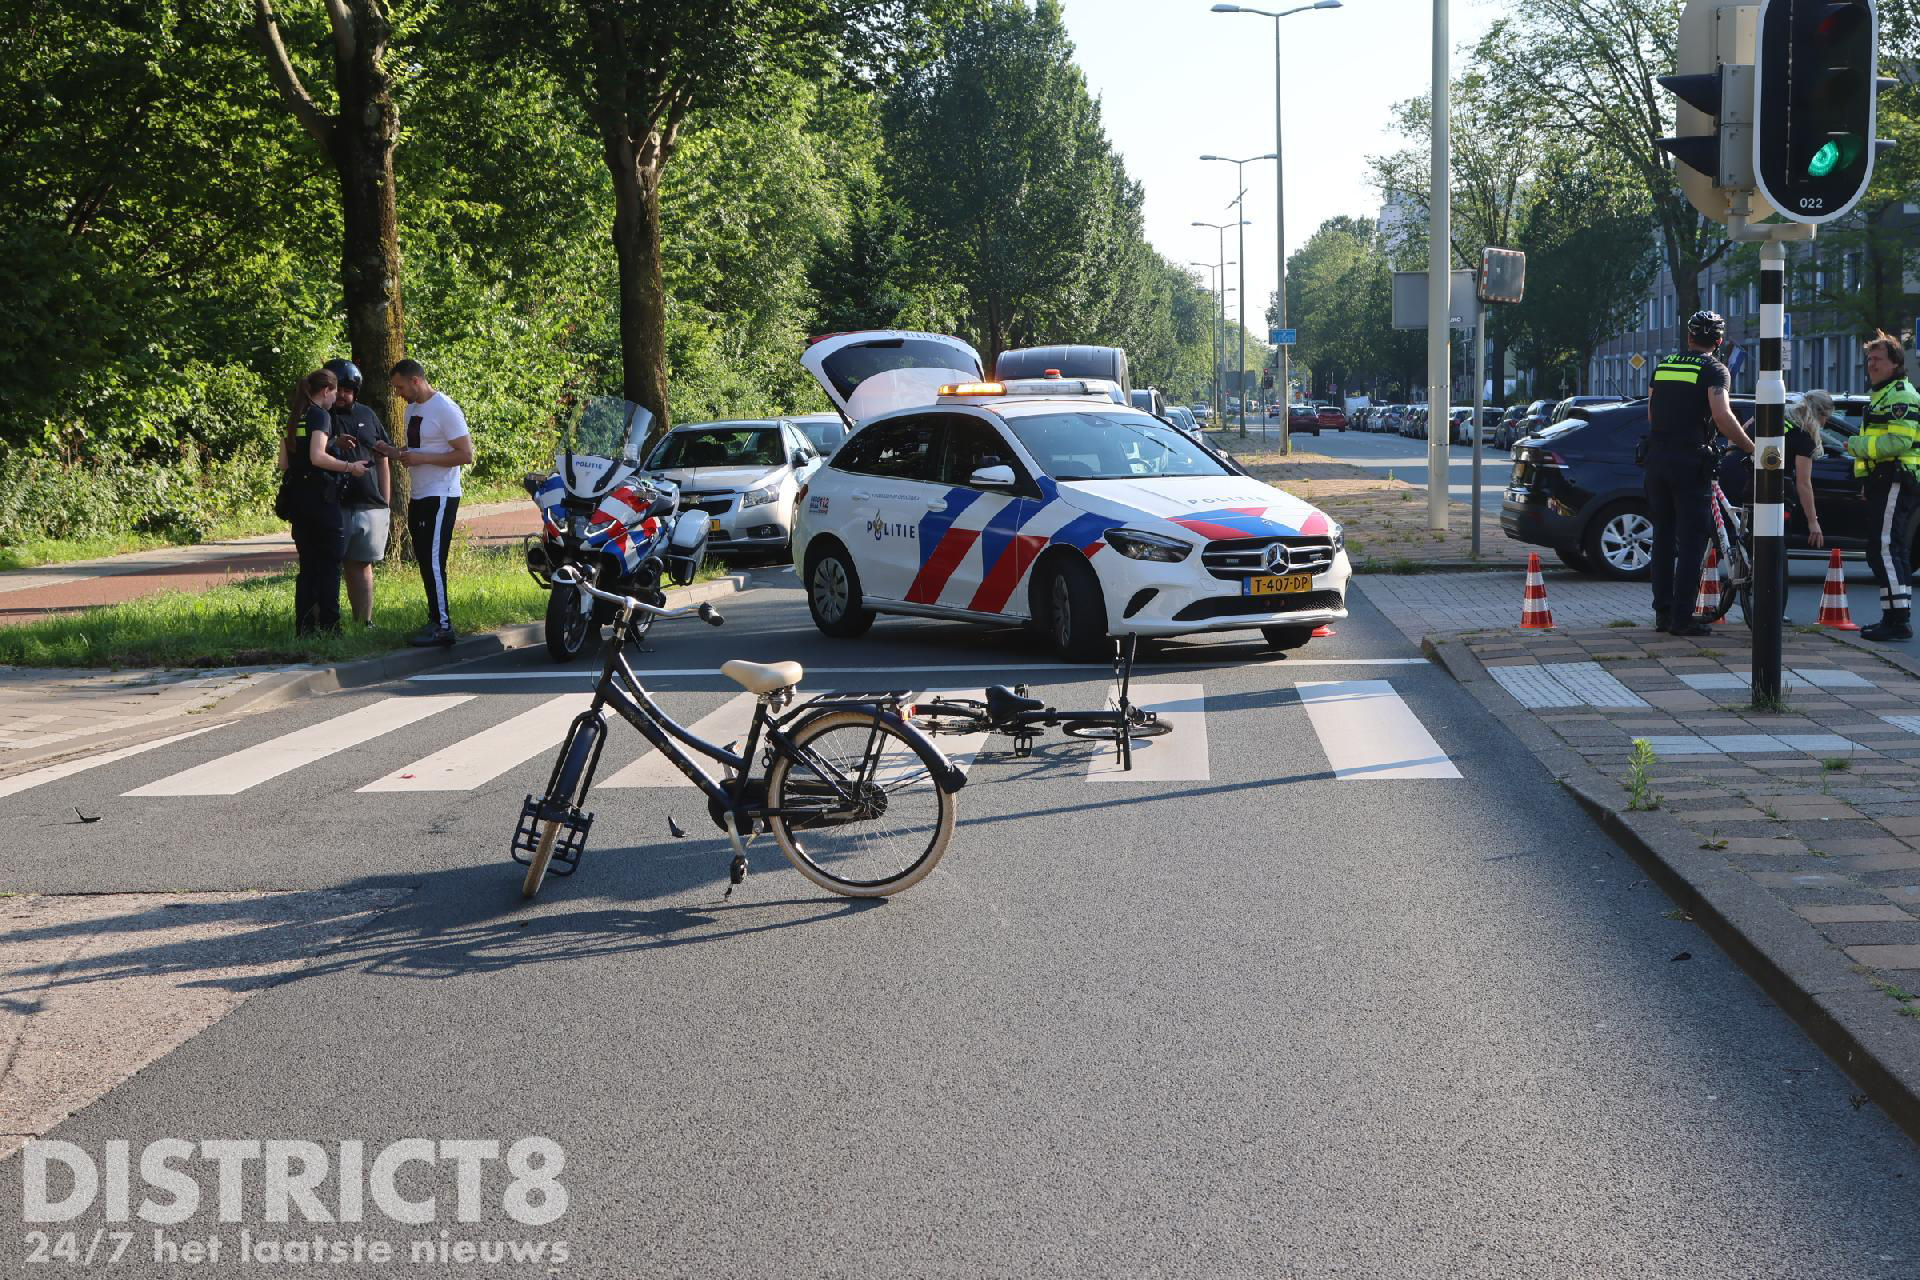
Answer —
687 548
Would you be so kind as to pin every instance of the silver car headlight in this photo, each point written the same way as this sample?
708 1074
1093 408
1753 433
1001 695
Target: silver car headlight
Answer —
759 497
1137 545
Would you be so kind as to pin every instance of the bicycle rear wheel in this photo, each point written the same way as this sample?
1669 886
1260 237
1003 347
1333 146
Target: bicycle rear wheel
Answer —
952 715
1736 583
890 830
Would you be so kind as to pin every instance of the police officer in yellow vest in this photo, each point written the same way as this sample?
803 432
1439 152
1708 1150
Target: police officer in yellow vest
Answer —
1686 404
1887 453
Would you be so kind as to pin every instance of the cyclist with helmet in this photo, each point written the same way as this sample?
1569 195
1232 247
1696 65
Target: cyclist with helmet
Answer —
1686 404
364 503
1886 452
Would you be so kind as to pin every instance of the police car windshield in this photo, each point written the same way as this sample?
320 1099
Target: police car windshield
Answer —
719 447
1089 444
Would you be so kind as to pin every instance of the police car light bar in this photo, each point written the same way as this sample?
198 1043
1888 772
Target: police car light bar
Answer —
973 389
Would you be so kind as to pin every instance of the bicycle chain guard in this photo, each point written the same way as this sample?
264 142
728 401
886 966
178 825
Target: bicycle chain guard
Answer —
569 842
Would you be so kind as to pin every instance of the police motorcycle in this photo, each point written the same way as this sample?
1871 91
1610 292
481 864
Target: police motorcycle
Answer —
617 529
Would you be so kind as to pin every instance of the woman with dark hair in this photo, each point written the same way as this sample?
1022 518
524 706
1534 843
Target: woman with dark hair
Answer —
319 528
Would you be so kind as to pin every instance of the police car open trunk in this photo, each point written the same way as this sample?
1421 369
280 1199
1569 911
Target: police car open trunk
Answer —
877 371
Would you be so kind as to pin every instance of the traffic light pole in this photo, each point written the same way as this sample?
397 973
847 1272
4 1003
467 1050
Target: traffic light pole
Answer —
1769 476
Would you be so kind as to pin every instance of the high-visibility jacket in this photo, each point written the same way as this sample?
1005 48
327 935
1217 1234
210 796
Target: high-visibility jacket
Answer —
1677 403
1891 430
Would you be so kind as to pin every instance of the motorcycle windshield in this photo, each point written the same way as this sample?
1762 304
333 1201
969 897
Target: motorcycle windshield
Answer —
603 435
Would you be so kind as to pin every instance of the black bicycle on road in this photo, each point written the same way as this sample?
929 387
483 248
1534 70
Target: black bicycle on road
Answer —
859 800
1014 713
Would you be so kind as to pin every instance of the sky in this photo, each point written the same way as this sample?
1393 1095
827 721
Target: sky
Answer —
1176 81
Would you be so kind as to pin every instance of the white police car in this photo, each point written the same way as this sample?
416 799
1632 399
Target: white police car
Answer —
1042 501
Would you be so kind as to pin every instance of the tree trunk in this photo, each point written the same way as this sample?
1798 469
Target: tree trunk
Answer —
363 147
643 298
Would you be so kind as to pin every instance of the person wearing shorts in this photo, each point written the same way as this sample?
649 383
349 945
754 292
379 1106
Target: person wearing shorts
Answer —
364 503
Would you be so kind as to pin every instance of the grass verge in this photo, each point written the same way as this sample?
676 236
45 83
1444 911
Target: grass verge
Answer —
251 622
40 551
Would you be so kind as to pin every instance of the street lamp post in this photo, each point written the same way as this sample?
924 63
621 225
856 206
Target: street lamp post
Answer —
1240 203
1285 385
1220 363
1213 323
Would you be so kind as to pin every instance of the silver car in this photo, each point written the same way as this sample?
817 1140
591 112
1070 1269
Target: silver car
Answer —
744 474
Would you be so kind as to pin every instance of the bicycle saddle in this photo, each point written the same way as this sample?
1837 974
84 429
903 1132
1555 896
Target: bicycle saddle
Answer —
1003 703
762 677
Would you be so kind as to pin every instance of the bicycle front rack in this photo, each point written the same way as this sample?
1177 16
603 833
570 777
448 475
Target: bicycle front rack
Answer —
569 842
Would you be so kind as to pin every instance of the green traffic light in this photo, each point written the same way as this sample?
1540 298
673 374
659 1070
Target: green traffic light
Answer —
1834 153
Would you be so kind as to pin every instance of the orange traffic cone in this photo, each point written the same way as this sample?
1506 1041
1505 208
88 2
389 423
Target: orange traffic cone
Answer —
1708 601
1534 613
1833 598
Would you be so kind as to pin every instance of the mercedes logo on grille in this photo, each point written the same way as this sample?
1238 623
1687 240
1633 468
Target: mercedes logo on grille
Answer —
1277 559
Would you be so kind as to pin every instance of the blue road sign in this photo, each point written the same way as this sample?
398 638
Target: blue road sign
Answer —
1283 337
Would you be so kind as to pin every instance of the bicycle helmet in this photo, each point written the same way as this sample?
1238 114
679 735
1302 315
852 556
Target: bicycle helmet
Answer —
1707 327
346 371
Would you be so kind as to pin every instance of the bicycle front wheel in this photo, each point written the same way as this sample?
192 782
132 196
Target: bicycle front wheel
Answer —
856 809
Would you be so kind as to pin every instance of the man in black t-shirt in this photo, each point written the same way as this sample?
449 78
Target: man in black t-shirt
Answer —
1685 406
364 504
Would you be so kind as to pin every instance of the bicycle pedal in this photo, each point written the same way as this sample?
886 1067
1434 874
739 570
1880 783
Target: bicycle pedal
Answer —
1023 745
569 842
673 829
736 874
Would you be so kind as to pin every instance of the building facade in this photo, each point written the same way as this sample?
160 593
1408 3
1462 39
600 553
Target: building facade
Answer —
1822 351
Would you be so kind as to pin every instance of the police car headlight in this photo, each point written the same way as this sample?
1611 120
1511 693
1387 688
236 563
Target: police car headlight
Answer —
759 497
1135 545
1339 539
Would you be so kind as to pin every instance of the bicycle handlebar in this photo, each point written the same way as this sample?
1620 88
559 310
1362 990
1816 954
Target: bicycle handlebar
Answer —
568 576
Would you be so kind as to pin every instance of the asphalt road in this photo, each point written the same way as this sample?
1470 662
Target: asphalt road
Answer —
1284 1012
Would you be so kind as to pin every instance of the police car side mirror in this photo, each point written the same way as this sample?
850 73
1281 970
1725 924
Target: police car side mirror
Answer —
799 459
993 478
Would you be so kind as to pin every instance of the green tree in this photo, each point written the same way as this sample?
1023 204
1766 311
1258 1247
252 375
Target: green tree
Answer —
1588 73
996 147
642 71
357 138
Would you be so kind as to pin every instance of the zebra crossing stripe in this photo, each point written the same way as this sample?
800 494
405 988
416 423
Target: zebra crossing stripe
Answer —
67 768
491 752
1179 755
1369 731
251 766
728 723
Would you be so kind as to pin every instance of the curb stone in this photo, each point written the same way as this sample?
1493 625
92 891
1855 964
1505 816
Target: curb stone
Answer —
283 687
1813 983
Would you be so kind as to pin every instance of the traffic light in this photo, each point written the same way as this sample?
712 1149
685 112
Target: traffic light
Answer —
1817 90
1713 123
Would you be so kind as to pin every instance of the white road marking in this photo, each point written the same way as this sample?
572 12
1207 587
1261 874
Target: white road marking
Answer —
728 723
491 752
1016 668
67 768
1368 731
1179 755
234 773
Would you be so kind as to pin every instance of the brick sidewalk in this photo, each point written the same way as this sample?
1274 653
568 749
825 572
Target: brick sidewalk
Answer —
1386 520
1816 803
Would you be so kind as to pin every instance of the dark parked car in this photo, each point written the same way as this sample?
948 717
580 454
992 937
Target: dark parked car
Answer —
1576 488
1508 428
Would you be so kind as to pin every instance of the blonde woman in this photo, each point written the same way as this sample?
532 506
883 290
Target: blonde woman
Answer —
1804 421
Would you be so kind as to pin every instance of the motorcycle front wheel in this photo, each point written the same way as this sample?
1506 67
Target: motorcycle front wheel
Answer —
569 623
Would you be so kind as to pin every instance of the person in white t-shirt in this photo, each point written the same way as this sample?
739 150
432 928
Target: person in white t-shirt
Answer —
438 445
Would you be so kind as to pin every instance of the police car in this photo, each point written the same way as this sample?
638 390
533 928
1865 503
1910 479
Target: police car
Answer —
1042 501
